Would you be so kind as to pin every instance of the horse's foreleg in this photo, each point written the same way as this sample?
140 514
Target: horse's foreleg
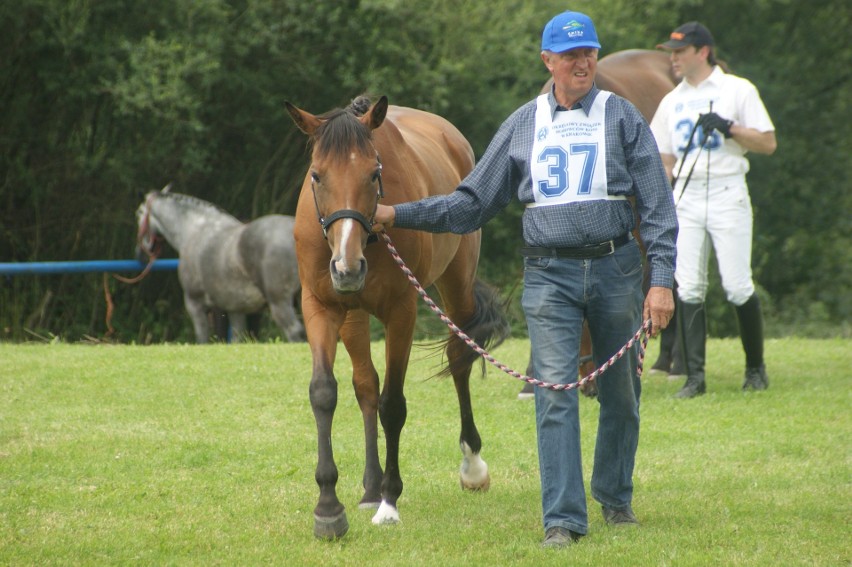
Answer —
393 409
198 314
365 380
329 514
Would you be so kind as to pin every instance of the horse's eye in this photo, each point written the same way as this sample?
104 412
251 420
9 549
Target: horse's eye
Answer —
376 176
315 177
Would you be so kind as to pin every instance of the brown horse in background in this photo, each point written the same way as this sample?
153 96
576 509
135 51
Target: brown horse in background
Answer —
643 77
362 154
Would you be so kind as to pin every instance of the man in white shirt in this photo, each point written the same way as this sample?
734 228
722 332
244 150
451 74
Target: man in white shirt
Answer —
704 128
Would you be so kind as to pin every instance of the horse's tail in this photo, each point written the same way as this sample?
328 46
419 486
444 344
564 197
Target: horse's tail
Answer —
488 327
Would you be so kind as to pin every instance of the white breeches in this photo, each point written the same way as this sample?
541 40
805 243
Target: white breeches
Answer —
720 215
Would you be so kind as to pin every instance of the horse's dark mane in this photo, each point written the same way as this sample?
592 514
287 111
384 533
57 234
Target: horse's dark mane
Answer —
341 130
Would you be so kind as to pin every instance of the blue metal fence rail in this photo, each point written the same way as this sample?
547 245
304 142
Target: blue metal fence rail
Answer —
41 268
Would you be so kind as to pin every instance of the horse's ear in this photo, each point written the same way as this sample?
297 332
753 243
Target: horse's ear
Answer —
374 117
167 188
305 121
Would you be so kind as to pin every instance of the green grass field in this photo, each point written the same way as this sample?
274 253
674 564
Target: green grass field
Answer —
205 455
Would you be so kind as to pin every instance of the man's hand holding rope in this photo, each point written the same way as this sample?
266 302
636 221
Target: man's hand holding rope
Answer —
659 308
383 219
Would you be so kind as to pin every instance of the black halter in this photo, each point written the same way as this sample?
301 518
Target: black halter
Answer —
367 223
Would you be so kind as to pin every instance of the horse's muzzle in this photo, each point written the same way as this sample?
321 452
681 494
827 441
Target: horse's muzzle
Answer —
348 279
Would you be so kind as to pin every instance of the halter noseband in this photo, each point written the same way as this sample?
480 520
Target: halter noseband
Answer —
367 223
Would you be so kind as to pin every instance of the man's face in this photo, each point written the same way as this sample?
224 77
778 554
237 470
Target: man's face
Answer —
573 71
686 61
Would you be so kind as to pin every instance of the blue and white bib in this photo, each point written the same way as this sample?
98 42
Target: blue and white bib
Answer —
569 154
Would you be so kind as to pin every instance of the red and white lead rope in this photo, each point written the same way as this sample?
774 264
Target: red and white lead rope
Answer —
641 336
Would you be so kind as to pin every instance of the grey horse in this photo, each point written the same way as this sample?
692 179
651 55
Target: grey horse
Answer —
224 263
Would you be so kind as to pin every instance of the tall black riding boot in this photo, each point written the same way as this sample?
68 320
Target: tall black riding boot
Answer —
751 333
678 369
693 329
668 337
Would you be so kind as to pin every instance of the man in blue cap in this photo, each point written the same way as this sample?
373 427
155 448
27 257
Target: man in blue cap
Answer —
573 156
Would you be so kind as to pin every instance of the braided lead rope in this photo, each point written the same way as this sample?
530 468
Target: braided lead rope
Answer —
642 334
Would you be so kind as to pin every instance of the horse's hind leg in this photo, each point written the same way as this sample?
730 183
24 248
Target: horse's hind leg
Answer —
475 309
365 380
473 474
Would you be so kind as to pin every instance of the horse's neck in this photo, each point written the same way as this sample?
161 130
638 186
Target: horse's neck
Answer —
180 221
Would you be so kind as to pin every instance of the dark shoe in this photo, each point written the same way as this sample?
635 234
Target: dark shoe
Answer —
619 518
527 392
691 389
559 537
756 378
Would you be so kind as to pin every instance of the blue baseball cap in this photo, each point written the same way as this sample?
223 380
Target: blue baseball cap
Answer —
569 30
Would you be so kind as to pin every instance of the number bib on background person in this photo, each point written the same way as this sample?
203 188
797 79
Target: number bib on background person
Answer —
569 154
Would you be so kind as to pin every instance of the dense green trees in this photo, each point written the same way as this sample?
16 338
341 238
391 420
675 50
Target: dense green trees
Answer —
102 100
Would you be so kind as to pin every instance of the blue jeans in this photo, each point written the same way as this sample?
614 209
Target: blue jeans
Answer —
558 294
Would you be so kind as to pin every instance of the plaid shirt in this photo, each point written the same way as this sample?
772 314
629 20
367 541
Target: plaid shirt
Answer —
633 168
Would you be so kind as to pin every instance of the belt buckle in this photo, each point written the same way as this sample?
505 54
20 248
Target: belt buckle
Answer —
611 244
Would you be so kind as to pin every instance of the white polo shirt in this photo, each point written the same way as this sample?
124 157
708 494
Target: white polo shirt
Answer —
729 96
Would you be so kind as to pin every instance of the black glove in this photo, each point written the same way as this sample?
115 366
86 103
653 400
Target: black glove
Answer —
712 121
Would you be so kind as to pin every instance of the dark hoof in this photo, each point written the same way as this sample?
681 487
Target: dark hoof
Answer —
589 389
330 528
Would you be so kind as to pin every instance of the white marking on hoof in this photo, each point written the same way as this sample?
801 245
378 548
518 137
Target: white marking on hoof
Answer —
387 514
474 470
368 506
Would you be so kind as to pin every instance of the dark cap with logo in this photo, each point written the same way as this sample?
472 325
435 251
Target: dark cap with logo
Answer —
692 33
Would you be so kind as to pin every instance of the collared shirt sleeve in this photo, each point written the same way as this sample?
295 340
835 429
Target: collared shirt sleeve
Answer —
479 197
654 202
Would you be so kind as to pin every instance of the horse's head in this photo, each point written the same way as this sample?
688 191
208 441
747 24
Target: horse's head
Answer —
346 180
148 240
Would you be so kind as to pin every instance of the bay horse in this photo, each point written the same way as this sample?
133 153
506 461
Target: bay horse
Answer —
361 154
224 263
644 77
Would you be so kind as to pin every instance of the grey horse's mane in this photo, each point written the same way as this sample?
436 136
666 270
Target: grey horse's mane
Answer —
188 201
